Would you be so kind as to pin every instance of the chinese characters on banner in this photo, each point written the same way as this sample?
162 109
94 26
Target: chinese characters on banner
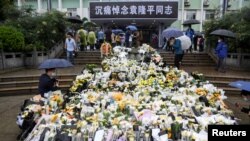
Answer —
163 9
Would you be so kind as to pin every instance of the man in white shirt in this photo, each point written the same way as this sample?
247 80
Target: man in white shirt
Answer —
70 46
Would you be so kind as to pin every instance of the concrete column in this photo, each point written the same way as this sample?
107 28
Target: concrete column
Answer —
240 4
19 3
39 5
202 13
49 5
60 5
159 35
182 14
221 7
81 10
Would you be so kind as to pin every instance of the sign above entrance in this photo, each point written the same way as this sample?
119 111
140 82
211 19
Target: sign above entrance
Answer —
134 10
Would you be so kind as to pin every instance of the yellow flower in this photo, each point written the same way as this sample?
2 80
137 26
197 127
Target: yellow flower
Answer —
91 98
73 88
122 105
117 96
201 91
93 118
54 118
115 121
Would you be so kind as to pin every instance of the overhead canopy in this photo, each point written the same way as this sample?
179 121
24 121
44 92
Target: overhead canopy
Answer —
136 22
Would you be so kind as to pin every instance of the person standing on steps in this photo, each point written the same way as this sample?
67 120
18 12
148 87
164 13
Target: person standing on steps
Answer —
70 46
92 40
221 51
47 82
82 37
200 43
113 39
100 38
108 34
190 34
176 44
127 37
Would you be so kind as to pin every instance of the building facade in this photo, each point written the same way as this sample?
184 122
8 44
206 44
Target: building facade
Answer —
201 10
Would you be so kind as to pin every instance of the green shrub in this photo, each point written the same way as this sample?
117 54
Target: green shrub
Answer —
12 40
37 45
47 28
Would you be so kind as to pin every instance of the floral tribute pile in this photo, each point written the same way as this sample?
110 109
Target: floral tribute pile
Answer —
134 100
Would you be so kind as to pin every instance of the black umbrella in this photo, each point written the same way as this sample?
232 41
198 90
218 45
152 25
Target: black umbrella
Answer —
75 20
192 21
89 24
223 32
198 33
55 63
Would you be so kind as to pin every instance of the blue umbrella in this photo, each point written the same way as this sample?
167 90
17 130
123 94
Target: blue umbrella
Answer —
132 28
243 85
117 31
55 63
172 32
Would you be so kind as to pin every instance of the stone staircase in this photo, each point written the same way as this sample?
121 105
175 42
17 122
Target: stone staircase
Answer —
223 81
197 59
89 57
19 85
24 85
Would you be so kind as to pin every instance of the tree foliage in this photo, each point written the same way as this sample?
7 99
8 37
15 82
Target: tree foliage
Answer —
42 31
11 39
4 4
239 23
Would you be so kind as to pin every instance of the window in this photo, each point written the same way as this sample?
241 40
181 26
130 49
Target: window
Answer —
72 11
209 15
206 3
191 15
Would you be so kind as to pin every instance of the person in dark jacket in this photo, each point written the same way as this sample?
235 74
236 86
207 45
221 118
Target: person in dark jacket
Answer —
127 36
176 44
47 82
108 35
221 51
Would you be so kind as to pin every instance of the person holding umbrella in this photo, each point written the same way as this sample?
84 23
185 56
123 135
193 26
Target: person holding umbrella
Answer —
190 33
221 51
70 46
176 44
47 82
244 86
222 47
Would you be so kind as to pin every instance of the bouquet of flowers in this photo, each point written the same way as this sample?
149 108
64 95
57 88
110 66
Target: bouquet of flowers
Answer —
134 100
